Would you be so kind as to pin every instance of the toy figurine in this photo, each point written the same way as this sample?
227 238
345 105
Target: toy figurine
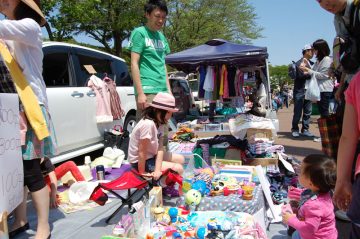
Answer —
200 232
173 213
158 213
200 185
192 198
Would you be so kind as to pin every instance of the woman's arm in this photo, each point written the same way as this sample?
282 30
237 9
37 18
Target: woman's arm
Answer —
159 159
346 152
322 72
143 146
53 190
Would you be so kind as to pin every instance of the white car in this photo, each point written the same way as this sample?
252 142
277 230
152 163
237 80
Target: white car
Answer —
72 103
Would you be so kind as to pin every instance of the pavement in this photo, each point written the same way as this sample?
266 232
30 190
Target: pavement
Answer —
299 148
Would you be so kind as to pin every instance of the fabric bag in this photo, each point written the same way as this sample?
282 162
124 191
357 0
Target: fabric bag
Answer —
118 139
312 90
330 132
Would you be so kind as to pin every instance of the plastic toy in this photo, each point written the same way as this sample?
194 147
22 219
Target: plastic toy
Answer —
219 182
192 197
248 192
176 235
200 185
200 232
173 213
158 213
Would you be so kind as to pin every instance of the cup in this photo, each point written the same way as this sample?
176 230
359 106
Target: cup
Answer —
100 172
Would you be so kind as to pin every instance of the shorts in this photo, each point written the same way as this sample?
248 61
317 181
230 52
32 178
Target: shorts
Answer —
33 177
149 165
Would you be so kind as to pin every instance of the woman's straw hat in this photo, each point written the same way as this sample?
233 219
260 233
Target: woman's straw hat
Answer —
35 5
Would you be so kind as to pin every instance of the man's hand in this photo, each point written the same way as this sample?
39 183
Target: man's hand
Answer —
142 101
54 200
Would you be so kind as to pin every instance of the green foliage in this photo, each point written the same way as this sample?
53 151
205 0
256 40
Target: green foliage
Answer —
279 76
190 22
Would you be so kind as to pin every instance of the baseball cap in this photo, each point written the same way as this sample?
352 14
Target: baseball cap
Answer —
307 47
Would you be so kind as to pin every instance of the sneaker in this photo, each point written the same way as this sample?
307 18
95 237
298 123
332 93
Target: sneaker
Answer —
295 134
307 134
119 230
317 139
340 214
170 191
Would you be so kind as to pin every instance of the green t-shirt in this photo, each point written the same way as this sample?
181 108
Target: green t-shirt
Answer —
152 47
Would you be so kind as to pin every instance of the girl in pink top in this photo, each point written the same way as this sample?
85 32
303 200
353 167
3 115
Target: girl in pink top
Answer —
146 151
315 218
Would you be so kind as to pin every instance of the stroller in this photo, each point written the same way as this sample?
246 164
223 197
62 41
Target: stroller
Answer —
136 185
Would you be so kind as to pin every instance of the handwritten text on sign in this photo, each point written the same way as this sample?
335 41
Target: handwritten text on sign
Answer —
11 167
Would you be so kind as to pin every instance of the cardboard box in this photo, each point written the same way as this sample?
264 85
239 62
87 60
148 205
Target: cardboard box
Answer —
261 161
222 162
157 193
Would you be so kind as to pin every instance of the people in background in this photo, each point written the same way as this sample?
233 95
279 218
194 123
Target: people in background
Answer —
315 218
321 70
24 18
301 105
146 152
259 98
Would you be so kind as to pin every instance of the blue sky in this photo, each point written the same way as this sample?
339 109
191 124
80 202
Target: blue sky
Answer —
289 25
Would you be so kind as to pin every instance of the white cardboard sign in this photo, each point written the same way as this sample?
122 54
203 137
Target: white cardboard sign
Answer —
11 167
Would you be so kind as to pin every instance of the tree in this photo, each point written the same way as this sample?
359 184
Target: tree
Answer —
190 22
193 22
279 76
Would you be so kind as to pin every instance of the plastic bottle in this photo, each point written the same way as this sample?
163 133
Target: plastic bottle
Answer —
87 161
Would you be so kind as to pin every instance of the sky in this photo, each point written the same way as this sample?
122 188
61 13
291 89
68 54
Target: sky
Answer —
289 25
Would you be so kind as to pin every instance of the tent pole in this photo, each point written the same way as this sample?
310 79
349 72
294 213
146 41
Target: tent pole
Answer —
268 83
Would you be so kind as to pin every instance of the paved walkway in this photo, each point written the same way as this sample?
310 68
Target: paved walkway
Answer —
299 148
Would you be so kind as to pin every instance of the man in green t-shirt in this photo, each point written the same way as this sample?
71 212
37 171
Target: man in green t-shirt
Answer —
148 48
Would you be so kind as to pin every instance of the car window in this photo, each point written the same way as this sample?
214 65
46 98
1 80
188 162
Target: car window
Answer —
102 67
56 69
122 74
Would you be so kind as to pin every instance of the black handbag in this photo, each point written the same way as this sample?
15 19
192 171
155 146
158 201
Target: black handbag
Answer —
119 140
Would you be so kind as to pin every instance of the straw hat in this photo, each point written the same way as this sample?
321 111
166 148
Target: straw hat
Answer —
34 4
164 101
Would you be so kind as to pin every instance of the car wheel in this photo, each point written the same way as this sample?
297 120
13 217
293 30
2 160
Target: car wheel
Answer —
130 123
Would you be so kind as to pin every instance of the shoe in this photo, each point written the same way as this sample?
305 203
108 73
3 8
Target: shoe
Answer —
295 134
340 214
19 230
170 191
307 134
119 229
317 139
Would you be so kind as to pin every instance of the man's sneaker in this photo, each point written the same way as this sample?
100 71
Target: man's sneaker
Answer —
295 134
170 191
307 133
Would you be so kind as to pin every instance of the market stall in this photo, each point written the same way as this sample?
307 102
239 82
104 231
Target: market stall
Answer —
219 52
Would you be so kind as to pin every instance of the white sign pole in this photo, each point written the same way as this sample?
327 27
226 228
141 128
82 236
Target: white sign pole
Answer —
11 167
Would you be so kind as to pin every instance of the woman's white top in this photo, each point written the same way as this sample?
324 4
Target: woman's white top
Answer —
24 40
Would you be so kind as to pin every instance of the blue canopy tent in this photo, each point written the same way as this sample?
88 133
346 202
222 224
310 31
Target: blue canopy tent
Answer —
219 51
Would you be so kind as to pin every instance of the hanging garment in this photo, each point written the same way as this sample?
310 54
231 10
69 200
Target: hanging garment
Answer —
217 76
221 89
239 77
226 83
103 109
115 103
231 80
202 73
